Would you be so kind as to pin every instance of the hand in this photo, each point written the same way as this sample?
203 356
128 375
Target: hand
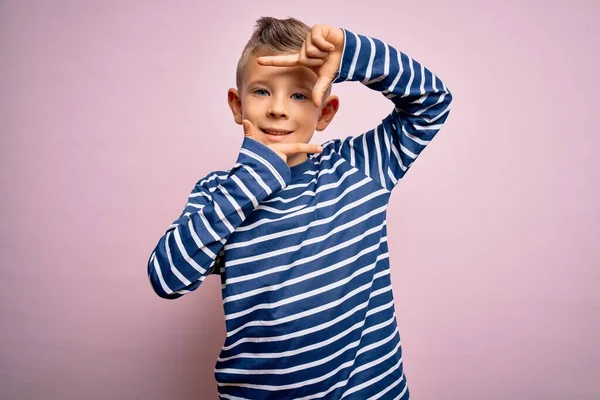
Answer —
321 52
283 150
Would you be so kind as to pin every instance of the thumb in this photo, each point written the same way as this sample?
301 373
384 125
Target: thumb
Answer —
248 128
320 89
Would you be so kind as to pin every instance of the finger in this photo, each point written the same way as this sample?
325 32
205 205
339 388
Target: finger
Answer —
312 50
318 39
307 61
320 89
302 56
283 60
313 62
295 148
249 130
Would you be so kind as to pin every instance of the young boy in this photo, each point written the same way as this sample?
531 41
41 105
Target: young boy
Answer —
297 231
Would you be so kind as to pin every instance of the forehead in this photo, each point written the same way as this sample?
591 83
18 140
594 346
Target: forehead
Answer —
297 75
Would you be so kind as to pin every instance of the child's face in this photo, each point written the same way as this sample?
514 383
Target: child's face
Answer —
277 100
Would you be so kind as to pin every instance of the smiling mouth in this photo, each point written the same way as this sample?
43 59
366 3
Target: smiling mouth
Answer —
276 132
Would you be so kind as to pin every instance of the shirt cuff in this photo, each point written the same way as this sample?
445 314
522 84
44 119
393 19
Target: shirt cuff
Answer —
350 46
270 167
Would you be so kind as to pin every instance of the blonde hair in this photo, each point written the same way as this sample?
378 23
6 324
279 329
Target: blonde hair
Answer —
272 36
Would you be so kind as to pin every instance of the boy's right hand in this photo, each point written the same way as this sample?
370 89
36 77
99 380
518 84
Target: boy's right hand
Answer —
283 150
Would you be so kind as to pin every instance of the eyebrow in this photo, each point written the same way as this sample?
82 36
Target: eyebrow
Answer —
258 82
300 84
305 86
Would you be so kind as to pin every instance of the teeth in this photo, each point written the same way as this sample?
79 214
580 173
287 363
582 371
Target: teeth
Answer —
275 132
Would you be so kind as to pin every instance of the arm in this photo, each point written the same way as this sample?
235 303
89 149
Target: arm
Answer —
217 205
421 106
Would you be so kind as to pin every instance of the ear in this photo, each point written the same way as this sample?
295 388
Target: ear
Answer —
330 107
233 98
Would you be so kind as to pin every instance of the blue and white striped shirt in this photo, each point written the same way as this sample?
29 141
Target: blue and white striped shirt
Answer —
305 280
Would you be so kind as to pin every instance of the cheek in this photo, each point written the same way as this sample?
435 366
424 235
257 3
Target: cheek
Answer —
308 112
312 116
249 107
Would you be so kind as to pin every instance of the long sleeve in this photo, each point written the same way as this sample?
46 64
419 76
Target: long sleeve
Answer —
421 105
217 205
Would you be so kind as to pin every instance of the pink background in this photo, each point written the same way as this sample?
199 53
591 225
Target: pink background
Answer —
110 111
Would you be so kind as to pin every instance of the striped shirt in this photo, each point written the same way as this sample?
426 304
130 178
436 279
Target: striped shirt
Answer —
306 286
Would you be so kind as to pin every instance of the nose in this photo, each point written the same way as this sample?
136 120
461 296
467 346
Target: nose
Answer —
277 108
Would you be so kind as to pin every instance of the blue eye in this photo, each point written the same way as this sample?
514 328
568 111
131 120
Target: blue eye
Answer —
261 92
302 97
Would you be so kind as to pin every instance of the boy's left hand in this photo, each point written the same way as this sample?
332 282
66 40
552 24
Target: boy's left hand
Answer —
321 52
